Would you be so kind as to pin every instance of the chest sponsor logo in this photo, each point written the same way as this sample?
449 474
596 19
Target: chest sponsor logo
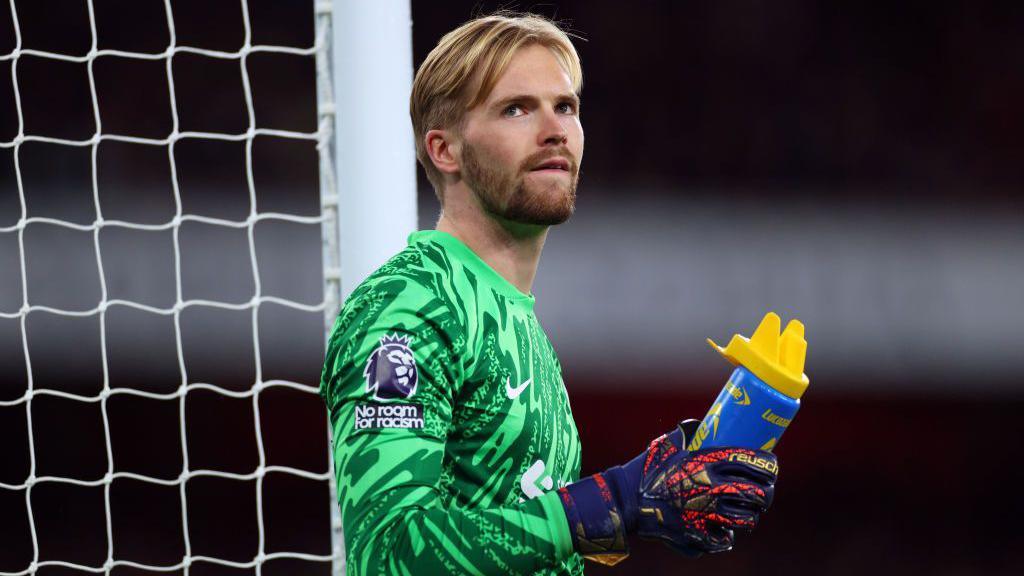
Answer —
391 369
372 416
514 393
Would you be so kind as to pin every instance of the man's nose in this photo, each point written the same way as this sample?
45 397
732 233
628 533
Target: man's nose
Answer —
552 131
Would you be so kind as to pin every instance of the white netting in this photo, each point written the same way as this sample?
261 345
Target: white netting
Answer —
328 306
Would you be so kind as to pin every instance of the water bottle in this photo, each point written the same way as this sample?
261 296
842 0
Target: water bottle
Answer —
763 394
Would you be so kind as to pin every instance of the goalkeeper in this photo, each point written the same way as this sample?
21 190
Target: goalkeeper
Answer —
455 446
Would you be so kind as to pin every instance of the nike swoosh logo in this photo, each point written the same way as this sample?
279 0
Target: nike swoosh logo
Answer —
514 393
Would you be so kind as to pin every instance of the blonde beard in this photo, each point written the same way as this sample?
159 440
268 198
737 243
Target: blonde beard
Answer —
505 194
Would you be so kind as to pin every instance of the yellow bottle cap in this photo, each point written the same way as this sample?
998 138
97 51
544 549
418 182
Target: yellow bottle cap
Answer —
777 360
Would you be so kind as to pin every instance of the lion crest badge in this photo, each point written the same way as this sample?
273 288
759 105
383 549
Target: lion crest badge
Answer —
391 369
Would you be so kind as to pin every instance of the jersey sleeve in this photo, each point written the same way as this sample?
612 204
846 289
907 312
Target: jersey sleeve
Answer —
392 371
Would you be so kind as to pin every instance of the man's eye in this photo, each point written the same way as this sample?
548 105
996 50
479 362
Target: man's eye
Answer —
566 108
512 110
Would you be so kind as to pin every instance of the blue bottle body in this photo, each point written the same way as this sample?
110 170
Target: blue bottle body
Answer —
747 413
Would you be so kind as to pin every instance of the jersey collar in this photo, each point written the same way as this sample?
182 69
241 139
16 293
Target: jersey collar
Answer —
470 260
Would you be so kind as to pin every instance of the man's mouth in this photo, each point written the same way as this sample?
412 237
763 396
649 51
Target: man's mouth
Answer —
558 164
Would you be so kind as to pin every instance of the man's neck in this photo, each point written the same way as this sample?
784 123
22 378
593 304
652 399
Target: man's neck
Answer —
512 250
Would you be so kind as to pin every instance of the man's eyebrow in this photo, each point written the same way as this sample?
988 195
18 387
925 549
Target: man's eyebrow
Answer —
571 97
531 99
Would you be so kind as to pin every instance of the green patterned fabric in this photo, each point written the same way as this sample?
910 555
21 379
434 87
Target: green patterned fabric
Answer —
452 426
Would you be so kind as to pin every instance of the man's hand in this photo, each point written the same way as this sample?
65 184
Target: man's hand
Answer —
692 501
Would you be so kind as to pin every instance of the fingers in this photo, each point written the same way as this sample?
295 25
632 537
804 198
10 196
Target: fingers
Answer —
762 465
709 538
720 538
745 497
742 514
743 465
715 538
740 511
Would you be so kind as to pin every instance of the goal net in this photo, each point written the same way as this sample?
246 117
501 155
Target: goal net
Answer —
168 267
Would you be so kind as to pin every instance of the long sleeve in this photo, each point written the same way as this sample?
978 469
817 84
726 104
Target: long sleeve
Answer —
393 369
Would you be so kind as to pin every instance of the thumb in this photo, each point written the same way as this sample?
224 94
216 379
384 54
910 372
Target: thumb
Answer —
689 429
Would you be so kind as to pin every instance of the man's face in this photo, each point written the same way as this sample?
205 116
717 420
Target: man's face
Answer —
522 146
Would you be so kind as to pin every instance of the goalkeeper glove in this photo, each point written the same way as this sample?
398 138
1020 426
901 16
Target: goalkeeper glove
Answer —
692 501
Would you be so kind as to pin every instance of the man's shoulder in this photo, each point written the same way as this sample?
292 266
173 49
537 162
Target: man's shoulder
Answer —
405 292
415 276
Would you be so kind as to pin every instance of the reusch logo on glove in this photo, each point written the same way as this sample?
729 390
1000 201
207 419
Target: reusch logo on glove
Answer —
762 463
391 369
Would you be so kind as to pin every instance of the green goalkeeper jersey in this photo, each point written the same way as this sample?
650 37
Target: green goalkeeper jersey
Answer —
452 426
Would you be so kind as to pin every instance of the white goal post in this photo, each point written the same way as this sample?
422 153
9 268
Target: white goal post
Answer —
373 149
362 55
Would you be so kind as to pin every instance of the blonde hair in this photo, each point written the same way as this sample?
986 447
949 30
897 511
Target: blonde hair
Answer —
460 72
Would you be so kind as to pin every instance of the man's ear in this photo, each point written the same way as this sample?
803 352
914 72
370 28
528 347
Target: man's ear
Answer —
443 150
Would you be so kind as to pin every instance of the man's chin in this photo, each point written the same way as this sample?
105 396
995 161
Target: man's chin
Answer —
551 218
547 208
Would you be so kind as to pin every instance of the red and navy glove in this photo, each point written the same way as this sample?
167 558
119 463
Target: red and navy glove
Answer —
692 501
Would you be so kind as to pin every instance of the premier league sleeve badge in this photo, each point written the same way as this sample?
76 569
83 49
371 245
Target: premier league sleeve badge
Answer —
391 369
390 375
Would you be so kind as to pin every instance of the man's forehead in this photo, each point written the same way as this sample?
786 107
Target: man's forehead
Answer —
533 70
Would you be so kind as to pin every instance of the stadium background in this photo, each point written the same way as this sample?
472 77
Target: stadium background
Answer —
857 167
